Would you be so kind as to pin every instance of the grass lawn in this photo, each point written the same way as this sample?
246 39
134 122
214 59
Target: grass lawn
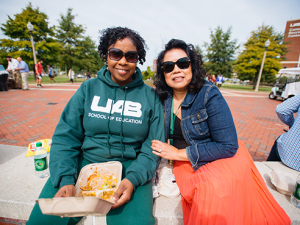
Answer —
246 88
58 79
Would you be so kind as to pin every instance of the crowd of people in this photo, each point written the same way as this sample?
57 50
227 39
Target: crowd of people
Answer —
216 81
19 71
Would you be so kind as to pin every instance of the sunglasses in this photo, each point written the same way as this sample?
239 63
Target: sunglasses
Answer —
182 63
117 54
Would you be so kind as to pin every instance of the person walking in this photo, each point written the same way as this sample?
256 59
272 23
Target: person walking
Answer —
13 65
51 74
39 69
71 75
88 75
219 80
209 78
24 71
3 78
213 79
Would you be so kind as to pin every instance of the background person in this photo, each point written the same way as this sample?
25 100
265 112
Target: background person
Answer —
132 118
51 74
217 178
287 147
209 78
219 80
213 79
24 70
12 67
3 79
88 75
71 75
39 69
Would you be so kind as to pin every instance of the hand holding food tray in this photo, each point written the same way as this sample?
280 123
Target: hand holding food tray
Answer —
95 187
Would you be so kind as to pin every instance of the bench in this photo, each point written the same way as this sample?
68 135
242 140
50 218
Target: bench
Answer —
17 201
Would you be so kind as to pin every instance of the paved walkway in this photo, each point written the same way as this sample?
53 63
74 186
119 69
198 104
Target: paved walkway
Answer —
30 115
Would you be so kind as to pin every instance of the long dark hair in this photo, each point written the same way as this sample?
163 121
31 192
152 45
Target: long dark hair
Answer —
198 71
109 36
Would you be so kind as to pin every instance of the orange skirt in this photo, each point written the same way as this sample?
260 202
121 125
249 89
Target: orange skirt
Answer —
227 191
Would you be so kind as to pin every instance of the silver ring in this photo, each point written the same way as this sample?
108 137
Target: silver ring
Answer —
160 150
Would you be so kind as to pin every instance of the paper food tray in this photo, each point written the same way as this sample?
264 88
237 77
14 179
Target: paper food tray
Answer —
82 206
283 181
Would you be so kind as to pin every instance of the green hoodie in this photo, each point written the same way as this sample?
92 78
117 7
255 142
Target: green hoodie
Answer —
104 121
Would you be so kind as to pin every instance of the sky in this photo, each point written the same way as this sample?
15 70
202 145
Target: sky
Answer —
158 21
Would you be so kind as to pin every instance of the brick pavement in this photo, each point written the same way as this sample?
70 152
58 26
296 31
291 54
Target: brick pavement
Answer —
256 121
26 116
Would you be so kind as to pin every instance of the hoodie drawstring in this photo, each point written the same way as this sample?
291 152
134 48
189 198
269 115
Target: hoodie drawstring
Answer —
121 133
107 138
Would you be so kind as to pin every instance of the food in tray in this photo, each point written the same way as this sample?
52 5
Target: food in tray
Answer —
101 183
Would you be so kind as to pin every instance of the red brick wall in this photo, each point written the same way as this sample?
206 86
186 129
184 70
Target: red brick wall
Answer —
292 35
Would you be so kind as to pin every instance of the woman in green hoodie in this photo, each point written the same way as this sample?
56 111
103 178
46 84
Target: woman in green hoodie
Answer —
111 118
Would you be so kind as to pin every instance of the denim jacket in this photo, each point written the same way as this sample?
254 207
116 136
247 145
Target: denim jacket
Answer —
207 126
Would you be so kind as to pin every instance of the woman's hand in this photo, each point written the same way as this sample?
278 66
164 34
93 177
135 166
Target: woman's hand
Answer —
167 151
124 190
65 191
164 150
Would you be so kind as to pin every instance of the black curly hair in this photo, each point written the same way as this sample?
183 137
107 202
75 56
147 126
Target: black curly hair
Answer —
198 71
109 36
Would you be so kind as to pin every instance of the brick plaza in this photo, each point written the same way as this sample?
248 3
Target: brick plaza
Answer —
26 116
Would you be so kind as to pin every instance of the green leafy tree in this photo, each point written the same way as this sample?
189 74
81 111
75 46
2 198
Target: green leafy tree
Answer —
19 42
77 50
198 50
249 61
219 57
148 73
89 57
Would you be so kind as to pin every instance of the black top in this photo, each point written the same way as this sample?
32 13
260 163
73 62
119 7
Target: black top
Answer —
178 139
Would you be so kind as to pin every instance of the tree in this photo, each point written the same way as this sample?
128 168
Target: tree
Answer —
77 50
219 56
198 50
249 61
19 43
89 57
148 73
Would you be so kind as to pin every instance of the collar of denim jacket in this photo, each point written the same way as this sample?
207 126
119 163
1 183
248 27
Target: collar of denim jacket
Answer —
189 99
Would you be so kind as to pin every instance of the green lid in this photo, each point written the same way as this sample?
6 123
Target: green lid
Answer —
39 144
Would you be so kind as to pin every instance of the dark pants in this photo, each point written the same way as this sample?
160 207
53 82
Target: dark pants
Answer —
136 212
274 156
3 82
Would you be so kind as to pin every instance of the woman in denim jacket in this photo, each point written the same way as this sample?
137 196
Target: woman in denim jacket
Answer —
217 178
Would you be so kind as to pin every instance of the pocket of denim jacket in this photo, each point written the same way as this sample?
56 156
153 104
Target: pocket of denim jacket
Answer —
199 120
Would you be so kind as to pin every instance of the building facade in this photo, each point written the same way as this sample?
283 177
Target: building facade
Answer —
292 38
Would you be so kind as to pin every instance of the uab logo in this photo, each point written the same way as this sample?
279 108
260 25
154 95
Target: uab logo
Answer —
130 108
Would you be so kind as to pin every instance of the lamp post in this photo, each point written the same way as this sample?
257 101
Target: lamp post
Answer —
30 28
267 44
